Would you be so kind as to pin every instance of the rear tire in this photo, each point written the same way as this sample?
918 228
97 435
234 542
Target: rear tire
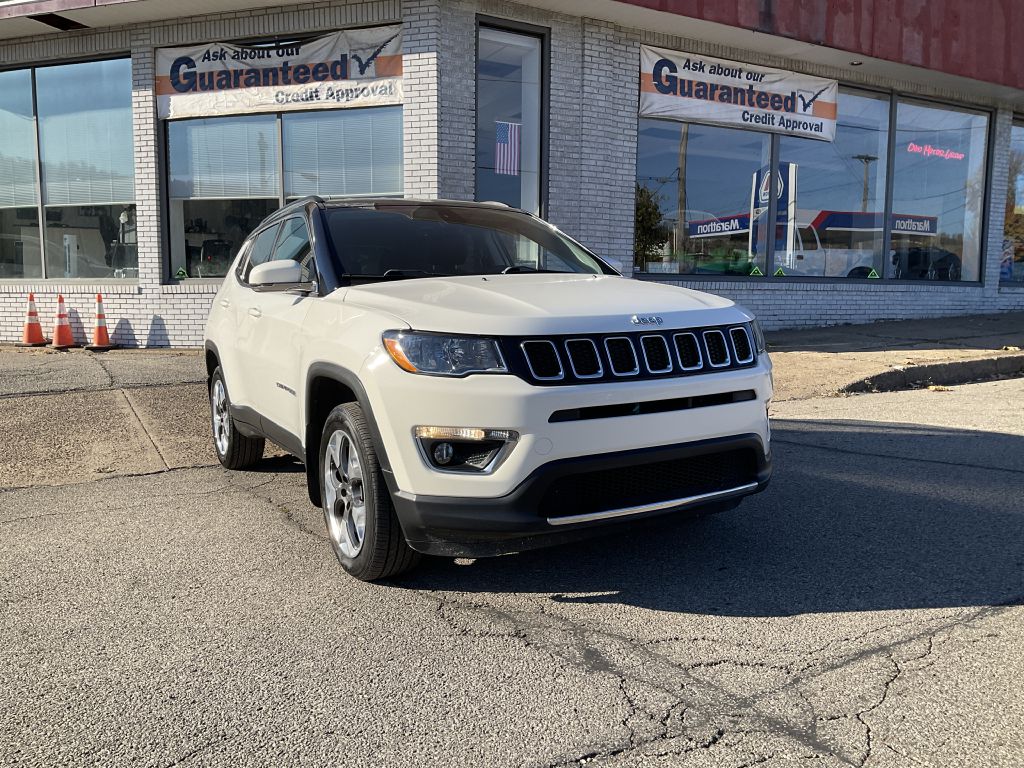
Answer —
361 522
233 449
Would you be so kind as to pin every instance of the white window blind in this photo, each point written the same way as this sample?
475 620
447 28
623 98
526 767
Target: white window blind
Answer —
17 140
344 152
85 133
226 157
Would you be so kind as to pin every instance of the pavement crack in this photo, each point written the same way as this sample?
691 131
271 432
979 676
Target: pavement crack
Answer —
145 429
220 739
111 388
98 359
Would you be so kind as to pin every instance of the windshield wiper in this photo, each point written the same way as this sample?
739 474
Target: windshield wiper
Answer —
395 274
517 268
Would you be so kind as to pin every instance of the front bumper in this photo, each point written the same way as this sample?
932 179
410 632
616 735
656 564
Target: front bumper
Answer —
481 527
400 401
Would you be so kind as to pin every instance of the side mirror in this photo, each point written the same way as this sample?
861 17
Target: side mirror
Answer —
272 273
284 275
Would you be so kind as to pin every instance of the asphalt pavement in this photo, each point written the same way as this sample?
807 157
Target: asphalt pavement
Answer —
864 610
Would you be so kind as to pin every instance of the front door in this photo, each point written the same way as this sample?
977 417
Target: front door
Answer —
277 339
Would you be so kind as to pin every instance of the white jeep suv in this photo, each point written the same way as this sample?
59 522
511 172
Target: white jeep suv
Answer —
463 379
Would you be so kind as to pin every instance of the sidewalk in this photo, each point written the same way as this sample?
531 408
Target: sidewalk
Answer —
896 355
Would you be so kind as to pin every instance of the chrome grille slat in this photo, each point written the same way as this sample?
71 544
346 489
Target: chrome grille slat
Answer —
747 354
716 337
611 358
527 345
688 336
572 358
655 338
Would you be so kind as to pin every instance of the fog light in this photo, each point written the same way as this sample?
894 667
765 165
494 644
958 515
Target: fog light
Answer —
443 453
465 449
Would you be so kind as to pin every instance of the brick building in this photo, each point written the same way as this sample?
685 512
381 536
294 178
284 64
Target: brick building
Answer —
880 140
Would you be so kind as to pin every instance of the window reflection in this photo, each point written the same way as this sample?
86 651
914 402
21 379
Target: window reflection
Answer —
85 145
508 128
697 188
835 228
227 174
938 192
1011 266
20 255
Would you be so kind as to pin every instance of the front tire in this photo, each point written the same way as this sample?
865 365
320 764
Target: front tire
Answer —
361 522
233 449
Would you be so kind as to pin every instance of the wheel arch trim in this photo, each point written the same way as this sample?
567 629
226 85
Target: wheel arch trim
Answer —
345 377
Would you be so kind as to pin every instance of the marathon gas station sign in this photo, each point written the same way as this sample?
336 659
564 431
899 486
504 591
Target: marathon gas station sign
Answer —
353 68
701 89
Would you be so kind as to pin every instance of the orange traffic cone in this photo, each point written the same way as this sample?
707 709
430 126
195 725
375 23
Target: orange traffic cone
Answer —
62 336
33 333
100 338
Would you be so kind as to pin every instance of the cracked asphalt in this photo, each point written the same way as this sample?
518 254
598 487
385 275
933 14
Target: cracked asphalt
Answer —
157 610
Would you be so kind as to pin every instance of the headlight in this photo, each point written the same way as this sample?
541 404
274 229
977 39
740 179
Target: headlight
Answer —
759 341
439 355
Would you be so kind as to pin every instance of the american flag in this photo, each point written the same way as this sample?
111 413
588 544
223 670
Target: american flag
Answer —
506 148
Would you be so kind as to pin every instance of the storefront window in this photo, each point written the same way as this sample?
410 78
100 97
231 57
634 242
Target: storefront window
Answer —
831 223
19 217
347 152
223 182
508 127
84 157
938 192
85 144
697 188
1011 268
229 173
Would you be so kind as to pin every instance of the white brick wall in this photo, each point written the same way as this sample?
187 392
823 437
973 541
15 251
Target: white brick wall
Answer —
591 157
421 39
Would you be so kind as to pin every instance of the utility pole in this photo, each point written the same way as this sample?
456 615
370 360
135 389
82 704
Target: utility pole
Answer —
682 234
867 160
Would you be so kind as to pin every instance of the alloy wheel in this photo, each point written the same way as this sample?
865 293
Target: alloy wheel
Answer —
221 419
344 493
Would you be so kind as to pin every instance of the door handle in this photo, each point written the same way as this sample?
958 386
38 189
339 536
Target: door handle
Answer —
225 303
255 312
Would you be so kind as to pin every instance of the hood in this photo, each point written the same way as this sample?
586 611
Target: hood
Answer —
540 304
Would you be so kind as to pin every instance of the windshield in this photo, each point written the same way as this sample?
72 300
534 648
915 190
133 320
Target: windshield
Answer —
396 241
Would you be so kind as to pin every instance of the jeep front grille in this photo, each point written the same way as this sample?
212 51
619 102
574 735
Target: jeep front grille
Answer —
642 354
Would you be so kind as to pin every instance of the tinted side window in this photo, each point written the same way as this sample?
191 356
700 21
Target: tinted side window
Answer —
294 245
260 250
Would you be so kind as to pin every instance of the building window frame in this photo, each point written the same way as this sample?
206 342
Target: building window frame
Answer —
893 97
40 205
516 27
1016 122
281 198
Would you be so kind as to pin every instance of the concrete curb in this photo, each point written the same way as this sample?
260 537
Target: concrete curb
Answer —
945 374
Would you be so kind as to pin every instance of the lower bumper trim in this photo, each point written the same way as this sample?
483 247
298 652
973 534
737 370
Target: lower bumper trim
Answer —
702 498
455 526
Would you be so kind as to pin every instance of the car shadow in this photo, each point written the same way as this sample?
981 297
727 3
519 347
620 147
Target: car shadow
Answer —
860 516
284 463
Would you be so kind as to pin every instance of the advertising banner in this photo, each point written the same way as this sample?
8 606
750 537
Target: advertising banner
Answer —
352 68
701 89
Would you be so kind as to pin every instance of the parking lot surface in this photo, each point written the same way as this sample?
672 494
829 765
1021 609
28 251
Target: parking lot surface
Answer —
158 610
